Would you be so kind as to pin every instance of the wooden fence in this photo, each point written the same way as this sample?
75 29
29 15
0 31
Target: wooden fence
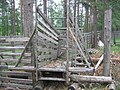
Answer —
46 40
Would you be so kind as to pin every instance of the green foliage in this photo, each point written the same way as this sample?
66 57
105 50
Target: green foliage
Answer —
101 7
6 18
55 12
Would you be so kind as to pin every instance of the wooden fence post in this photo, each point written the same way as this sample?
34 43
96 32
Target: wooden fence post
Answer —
107 39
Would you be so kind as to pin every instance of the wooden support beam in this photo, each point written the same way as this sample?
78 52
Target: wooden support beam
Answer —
80 50
107 41
91 79
19 60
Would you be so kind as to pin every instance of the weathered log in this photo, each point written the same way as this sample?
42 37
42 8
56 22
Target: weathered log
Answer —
113 59
112 86
91 79
74 86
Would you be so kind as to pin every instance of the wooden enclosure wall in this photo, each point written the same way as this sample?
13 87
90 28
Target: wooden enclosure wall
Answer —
47 40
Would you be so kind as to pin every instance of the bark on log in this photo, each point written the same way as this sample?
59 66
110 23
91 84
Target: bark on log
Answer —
74 86
91 79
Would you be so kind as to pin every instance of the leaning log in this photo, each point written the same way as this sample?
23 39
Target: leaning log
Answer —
91 79
73 86
99 62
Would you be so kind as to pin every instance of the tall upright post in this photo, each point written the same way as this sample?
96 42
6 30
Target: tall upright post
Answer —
67 64
107 39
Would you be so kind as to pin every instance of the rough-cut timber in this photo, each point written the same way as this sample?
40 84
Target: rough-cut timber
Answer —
107 42
91 79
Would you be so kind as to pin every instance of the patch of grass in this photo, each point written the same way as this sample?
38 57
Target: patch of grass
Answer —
115 49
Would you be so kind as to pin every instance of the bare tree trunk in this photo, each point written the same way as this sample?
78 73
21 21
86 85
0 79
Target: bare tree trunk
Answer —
27 17
78 6
21 17
86 17
95 25
14 18
74 10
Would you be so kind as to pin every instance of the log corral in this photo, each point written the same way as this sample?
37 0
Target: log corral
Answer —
48 56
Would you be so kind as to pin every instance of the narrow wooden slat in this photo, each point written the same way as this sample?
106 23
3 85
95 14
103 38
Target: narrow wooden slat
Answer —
11 48
46 43
15 60
51 79
80 69
14 54
52 69
46 20
15 73
47 37
47 32
16 80
51 56
45 25
16 39
44 57
24 68
41 49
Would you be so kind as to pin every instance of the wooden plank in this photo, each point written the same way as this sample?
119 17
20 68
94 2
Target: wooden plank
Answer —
41 49
46 20
47 32
46 43
24 68
52 69
51 79
15 60
42 57
91 79
14 85
47 37
14 54
17 39
99 62
15 73
16 80
81 69
11 48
